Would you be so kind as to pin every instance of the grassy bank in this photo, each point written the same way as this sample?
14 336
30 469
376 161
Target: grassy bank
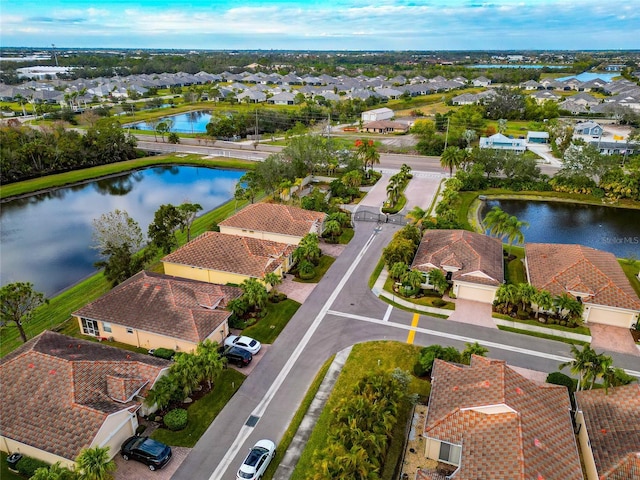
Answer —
88 174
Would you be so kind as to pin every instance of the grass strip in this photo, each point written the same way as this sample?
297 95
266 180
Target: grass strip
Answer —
542 335
376 272
412 310
203 412
269 327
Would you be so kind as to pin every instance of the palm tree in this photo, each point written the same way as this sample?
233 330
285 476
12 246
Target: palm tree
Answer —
438 280
543 301
340 217
473 349
526 293
209 360
615 377
513 230
272 279
162 393
413 278
583 364
398 269
54 472
568 306
494 222
187 373
367 153
254 293
393 192
308 249
451 158
507 293
469 136
94 464
333 229
416 215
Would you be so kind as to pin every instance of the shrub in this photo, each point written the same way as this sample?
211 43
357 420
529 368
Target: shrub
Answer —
176 419
165 353
140 429
438 302
559 378
306 270
27 466
522 314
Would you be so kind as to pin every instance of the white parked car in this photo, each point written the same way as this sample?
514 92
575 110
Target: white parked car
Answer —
246 343
257 461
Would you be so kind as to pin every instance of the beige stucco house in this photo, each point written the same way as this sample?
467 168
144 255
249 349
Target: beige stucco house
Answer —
221 258
592 276
151 310
275 222
472 262
61 394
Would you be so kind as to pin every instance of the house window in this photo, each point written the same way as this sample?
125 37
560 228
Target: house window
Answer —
90 327
106 327
130 330
450 453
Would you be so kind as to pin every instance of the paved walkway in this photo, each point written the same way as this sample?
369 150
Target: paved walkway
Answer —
614 339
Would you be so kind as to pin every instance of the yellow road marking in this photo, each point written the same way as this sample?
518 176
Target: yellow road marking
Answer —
412 333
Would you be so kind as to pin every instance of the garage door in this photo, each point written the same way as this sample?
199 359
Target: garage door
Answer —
610 317
477 294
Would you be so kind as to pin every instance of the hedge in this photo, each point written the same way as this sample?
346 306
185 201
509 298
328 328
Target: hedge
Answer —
176 419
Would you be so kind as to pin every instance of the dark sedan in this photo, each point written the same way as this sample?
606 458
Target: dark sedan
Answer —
152 453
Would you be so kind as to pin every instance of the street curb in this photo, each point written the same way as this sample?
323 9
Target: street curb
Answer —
295 449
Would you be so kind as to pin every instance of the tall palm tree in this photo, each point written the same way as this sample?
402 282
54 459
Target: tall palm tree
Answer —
397 270
94 464
187 372
308 249
473 349
438 280
209 360
568 306
451 158
333 229
163 392
526 293
416 215
543 301
414 278
494 222
513 230
254 293
272 279
507 293
583 364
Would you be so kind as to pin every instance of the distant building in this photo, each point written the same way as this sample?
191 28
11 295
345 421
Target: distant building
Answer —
377 114
537 137
501 142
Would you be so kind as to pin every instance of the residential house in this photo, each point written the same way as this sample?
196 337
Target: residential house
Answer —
542 96
151 310
594 277
481 82
385 126
282 98
531 85
573 108
471 261
251 96
537 137
61 394
588 128
377 114
221 258
585 99
501 142
486 421
616 148
275 222
608 425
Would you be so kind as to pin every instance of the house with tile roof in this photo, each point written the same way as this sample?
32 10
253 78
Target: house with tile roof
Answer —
486 421
608 425
385 126
61 394
471 261
592 276
221 258
151 310
275 222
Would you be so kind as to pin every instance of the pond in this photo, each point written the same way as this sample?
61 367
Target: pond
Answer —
45 238
587 76
615 230
190 122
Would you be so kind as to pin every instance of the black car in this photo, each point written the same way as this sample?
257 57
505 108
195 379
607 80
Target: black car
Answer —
237 356
152 453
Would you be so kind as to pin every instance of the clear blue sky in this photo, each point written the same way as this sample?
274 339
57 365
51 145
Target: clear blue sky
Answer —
323 25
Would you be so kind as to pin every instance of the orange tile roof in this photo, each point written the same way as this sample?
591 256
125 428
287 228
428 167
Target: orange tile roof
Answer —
276 218
532 438
169 306
612 421
470 252
56 393
559 268
232 253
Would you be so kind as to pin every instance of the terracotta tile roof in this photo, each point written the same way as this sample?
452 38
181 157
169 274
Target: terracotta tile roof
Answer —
530 437
275 218
559 268
55 390
478 257
232 253
170 306
613 425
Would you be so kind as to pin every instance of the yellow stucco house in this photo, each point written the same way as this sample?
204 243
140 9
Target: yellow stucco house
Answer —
278 223
152 310
216 257
61 394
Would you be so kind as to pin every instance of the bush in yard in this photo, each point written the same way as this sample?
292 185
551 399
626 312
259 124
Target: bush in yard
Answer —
559 378
165 353
27 466
176 419
438 302
306 270
140 429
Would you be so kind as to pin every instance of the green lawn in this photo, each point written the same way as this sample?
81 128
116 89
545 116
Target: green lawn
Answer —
5 473
542 335
581 329
364 358
346 236
376 272
325 262
514 271
202 412
269 327
631 271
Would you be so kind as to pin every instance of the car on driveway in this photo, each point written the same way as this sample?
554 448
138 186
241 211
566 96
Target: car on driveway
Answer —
257 460
236 355
247 343
152 453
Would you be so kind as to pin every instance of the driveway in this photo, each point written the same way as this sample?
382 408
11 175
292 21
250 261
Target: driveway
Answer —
474 313
129 470
612 339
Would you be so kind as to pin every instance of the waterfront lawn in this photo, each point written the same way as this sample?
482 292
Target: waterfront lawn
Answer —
631 270
514 269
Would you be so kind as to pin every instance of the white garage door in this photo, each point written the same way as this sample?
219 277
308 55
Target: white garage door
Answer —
477 294
610 317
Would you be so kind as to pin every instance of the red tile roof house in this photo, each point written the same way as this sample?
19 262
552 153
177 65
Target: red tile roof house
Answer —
151 310
61 394
473 262
275 222
609 432
215 257
592 276
488 422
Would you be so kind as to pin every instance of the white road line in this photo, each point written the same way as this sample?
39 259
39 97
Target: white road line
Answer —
245 431
461 338
387 314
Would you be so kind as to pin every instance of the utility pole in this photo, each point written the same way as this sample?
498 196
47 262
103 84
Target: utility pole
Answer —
54 53
446 137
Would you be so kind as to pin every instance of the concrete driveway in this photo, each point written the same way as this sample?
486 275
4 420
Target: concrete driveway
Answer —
612 339
473 313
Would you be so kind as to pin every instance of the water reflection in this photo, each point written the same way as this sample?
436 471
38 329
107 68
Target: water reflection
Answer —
615 230
46 238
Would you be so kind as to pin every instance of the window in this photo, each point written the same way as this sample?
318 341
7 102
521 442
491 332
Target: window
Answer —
90 327
130 330
106 327
450 453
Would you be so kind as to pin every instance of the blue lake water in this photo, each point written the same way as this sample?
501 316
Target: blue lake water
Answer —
586 76
615 230
514 65
45 239
191 122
